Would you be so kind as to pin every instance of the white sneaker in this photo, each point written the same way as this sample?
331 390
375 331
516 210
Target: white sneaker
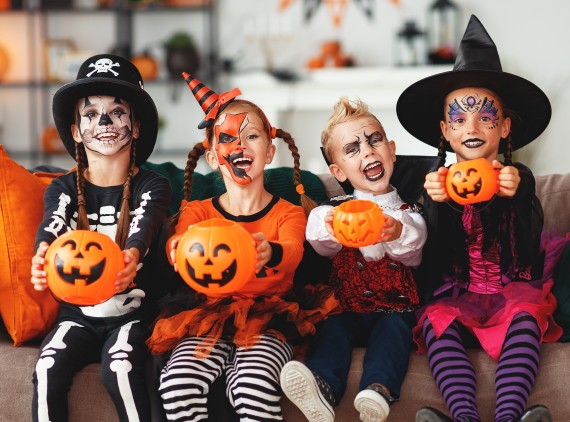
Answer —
372 406
300 386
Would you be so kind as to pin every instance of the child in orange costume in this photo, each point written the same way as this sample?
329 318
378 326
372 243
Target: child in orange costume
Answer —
237 335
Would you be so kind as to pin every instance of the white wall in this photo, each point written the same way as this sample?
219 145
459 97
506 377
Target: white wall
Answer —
532 38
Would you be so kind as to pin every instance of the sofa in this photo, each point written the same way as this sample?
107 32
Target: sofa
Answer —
90 402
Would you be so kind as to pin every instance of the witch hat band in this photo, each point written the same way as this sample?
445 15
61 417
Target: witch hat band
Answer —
212 103
420 107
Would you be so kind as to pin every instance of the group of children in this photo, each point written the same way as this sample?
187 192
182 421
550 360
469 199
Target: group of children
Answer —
476 262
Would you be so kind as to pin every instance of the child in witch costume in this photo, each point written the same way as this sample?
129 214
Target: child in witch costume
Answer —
108 122
483 260
241 334
373 284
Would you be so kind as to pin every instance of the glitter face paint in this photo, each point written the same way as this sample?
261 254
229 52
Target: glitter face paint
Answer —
473 104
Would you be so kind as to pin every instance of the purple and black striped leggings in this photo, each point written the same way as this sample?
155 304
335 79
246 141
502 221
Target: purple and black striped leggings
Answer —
514 377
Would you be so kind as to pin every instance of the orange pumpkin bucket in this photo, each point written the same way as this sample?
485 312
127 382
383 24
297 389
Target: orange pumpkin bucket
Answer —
358 223
216 256
471 181
81 267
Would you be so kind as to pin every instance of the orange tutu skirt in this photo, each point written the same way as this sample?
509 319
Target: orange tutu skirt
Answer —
241 320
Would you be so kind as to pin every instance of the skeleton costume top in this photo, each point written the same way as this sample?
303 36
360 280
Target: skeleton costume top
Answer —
150 196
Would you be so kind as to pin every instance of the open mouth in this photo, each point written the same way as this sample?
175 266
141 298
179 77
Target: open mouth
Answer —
240 164
473 143
108 137
374 171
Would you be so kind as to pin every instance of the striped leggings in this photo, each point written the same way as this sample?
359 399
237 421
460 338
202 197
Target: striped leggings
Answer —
252 376
514 376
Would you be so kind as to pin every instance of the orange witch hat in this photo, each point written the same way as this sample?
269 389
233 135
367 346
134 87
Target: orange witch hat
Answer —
211 102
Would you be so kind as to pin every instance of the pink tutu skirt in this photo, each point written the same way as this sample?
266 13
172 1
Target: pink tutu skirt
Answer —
488 316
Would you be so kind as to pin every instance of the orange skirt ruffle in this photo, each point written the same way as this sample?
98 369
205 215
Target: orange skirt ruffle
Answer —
240 319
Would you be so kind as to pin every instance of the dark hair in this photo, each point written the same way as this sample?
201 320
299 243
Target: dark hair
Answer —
506 147
125 216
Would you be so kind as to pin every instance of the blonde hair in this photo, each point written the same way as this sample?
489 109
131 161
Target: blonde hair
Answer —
345 110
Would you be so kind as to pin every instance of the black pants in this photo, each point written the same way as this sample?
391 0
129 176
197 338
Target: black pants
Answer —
120 347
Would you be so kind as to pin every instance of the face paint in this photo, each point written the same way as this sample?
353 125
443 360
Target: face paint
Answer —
489 113
105 124
474 127
471 103
229 147
455 112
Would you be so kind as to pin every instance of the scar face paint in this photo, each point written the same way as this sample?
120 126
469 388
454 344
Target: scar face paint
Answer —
229 146
105 124
472 106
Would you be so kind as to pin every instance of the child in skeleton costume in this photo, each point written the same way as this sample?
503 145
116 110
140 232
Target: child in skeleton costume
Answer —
241 335
109 124
483 260
373 284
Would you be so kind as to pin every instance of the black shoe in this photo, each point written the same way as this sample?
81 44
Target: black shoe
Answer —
538 413
429 414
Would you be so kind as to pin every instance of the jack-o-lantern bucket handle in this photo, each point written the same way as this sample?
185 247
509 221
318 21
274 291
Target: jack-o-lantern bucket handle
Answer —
358 223
472 181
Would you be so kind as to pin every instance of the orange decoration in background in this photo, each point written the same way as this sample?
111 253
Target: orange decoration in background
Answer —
216 257
337 8
331 56
82 266
51 142
147 66
4 61
471 181
358 223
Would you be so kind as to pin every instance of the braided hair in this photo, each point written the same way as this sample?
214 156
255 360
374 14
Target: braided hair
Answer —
200 148
125 216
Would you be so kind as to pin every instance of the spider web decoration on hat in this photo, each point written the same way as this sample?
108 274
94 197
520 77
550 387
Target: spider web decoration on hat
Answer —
337 8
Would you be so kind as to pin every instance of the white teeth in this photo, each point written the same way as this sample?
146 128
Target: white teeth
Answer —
241 160
371 166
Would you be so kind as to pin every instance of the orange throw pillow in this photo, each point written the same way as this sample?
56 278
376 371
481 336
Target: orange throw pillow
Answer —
26 313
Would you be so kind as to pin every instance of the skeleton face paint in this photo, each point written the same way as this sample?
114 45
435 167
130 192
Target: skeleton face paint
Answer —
105 124
229 146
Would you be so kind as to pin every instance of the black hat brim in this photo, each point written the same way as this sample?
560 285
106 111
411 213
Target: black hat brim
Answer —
65 99
420 107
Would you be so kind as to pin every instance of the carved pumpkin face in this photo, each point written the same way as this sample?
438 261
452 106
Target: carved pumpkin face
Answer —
216 256
82 267
471 181
358 223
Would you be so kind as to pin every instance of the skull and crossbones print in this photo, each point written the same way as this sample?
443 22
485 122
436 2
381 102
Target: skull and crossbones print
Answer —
104 66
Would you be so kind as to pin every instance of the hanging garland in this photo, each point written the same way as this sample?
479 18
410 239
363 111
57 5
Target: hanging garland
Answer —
337 8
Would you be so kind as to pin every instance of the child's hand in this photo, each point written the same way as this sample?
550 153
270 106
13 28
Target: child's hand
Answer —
435 185
263 249
508 178
392 229
173 245
38 274
127 275
329 225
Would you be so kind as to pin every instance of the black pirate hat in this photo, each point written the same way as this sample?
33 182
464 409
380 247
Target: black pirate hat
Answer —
107 74
477 65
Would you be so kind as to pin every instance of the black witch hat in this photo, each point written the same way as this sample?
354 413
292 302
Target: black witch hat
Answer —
420 107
